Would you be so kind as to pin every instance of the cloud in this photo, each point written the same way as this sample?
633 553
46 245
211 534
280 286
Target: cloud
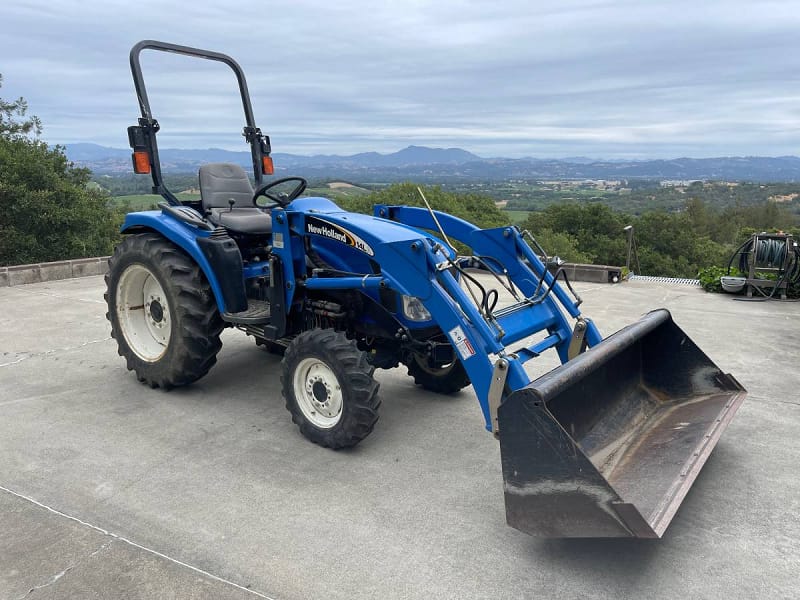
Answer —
513 78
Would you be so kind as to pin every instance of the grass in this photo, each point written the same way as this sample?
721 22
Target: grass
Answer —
517 216
333 191
136 202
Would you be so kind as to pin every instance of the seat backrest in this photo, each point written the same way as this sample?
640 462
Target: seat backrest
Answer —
221 182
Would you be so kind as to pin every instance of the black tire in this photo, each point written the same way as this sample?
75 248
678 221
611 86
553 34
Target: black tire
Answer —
448 379
358 406
194 322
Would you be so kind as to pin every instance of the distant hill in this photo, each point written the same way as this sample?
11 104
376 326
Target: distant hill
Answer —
102 159
448 164
87 153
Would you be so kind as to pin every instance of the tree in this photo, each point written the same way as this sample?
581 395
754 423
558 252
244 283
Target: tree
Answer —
562 245
48 213
475 208
11 112
595 229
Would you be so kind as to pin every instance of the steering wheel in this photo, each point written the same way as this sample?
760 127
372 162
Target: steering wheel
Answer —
280 199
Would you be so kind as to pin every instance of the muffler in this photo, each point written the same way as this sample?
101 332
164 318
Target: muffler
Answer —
608 444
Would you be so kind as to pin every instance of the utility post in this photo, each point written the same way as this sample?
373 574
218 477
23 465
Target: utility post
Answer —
629 230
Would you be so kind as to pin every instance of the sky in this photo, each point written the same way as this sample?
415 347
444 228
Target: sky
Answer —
546 79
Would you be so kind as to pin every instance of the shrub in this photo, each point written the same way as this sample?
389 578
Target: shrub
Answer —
710 278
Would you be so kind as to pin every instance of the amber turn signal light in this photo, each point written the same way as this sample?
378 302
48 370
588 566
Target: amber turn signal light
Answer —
267 168
141 162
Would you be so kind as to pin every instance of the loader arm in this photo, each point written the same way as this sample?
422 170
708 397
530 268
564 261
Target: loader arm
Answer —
538 311
415 263
608 444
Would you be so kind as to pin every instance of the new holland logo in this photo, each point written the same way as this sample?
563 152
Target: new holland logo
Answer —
334 232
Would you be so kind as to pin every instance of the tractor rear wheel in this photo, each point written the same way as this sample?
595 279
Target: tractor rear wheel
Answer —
447 379
162 312
329 389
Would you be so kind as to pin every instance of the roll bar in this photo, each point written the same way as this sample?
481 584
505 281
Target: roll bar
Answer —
143 136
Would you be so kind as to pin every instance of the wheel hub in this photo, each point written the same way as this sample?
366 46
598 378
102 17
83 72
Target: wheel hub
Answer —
156 311
318 392
143 312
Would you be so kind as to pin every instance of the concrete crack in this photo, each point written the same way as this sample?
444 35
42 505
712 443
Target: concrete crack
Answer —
51 295
26 355
784 401
116 537
766 399
61 574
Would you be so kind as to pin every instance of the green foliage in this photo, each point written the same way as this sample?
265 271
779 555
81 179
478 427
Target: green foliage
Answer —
640 196
710 278
130 184
49 213
563 245
138 202
13 122
668 244
475 208
595 230
517 217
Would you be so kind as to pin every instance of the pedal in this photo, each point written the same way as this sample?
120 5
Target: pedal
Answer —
257 313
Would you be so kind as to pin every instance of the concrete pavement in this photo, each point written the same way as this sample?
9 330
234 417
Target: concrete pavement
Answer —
109 489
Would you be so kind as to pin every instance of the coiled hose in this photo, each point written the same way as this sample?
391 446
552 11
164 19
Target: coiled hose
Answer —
769 253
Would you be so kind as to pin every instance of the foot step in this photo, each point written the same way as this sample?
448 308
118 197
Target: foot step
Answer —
257 313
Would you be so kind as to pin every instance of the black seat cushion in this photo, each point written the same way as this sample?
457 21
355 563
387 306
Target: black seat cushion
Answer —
243 220
227 198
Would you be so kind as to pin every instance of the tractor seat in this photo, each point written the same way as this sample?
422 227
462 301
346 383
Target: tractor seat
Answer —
219 184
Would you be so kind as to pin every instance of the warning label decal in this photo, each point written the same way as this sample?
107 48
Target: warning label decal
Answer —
461 343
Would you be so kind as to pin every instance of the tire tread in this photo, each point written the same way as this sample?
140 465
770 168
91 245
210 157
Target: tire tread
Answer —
196 322
360 413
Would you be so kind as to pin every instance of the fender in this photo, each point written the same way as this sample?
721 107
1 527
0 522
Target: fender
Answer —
182 235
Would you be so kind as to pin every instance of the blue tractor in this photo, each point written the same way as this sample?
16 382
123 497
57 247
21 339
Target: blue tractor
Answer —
605 445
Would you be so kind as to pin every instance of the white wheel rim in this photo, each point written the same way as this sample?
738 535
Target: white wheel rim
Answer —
143 313
318 393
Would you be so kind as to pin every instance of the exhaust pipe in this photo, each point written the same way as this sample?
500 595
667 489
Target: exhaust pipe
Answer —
608 444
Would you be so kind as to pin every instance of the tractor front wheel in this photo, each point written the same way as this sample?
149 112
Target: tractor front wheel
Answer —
162 312
446 379
329 389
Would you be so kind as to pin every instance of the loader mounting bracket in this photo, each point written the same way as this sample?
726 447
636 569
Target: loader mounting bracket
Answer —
496 388
578 342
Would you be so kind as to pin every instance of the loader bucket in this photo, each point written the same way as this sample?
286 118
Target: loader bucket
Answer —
608 444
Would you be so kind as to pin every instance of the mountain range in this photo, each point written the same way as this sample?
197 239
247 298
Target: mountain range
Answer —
439 164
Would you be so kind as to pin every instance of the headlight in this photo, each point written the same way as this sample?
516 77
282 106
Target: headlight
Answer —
414 310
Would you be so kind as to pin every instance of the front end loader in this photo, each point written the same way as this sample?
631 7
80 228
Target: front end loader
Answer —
606 445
